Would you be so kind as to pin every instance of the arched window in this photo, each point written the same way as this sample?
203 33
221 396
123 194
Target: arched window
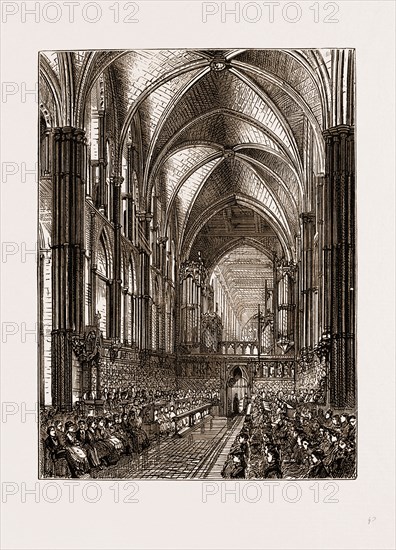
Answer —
122 303
129 306
103 272
173 261
169 321
130 337
154 315
109 189
44 147
124 197
92 132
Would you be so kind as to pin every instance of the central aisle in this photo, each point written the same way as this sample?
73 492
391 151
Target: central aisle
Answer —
198 455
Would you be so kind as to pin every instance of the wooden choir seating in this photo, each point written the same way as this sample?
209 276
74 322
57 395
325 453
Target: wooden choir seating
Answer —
195 416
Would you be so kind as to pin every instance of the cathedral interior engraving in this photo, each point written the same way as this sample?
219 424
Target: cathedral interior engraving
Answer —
197 270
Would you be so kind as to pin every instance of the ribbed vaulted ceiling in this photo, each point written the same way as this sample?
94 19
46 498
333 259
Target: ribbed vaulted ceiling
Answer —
226 136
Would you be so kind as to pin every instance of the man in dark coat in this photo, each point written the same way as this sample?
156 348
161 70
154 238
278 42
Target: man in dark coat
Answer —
318 469
328 419
351 434
244 445
55 456
273 469
235 466
235 405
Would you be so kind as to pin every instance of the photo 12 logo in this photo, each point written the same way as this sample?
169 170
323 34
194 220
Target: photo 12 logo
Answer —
22 252
270 12
22 92
70 12
53 491
23 331
261 491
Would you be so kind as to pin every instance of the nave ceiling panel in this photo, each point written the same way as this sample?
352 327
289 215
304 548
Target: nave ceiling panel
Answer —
286 68
232 178
222 90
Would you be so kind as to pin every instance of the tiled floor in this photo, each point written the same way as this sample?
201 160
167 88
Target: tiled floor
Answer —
189 457
215 470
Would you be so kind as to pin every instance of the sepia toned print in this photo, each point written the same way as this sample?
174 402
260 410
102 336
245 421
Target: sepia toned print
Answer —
197 264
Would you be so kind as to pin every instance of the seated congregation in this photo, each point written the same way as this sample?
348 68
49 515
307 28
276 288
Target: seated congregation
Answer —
286 436
77 444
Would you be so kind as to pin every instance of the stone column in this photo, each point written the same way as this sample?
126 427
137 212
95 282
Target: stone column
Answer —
320 257
68 257
102 164
130 195
115 320
307 230
298 341
275 298
162 312
339 263
144 294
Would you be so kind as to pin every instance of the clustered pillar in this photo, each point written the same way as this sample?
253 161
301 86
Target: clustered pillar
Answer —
144 314
69 157
306 281
116 287
339 263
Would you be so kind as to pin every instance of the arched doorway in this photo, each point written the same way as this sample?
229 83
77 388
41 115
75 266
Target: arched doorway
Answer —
238 390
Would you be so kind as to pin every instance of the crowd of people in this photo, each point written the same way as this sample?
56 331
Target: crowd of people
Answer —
287 436
284 435
77 443
308 394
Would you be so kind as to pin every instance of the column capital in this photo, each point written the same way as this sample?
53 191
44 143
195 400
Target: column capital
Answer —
68 130
144 216
338 131
307 217
117 180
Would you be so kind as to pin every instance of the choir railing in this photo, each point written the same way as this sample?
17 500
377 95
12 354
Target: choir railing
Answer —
194 416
